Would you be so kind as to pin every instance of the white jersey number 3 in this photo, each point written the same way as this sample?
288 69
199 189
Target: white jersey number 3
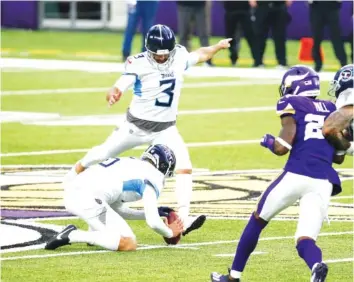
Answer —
314 126
168 91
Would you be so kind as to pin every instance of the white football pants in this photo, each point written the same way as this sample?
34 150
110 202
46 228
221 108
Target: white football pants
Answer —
286 189
129 136
95 212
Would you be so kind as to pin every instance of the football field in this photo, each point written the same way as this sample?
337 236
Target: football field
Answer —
51 117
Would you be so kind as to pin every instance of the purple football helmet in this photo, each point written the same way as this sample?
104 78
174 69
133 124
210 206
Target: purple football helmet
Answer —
300 80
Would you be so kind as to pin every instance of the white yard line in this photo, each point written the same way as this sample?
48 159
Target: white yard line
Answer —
104 89
106 67
55 119
232 255
190 145
339 260
165 246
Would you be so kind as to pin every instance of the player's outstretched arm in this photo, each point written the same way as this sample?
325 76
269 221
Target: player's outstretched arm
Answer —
121 85
206 53
113 95
153 218
335 124
281 145
129 213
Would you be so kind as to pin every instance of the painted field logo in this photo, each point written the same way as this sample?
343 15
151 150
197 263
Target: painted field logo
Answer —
30 192
36 192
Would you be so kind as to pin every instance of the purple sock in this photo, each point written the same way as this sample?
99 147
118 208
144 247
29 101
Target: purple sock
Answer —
247 244
309 252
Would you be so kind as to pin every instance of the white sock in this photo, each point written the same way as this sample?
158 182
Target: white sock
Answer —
183 194
104 239
314 266
235 274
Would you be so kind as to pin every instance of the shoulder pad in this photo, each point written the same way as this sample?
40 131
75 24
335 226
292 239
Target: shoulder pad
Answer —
285 105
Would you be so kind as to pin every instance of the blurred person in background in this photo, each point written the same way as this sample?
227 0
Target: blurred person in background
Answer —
238 19
138 10
271 15
193 12
324 13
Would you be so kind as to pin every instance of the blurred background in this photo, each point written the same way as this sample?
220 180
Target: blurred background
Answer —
105 30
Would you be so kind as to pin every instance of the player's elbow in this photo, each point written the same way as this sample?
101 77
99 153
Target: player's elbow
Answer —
281 151
339 159
328 131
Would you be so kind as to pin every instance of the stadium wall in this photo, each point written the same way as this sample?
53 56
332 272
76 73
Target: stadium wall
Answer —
25 14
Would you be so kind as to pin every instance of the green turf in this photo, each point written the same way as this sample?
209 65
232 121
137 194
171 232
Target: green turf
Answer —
280 261
107 46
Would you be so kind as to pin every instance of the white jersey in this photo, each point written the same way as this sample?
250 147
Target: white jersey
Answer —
345 98
119 179
156 92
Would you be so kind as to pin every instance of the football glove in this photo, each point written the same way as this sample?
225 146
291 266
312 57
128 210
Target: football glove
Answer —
268 141
164 211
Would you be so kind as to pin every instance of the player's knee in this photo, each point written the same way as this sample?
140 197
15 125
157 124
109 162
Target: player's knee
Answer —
127 244
301 238
183 171
260 220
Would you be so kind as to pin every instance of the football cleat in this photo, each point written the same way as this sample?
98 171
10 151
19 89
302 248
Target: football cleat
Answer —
196 224
319 273
61 239
216 277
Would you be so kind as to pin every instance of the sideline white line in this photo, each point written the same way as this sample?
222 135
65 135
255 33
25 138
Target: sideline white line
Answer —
165 246
104 89
190 145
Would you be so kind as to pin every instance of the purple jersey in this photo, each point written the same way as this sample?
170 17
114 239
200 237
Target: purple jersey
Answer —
311 154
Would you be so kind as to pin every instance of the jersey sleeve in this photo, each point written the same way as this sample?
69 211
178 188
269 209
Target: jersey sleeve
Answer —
190 58
285 106
151 213
346 98
130 76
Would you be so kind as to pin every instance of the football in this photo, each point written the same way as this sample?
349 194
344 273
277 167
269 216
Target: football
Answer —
172 216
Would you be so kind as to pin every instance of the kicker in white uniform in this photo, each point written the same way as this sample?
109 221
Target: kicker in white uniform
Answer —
156 77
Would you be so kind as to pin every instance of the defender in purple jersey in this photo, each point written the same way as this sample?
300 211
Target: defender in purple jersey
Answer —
308 175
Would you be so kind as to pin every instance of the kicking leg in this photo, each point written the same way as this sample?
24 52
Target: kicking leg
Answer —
120 140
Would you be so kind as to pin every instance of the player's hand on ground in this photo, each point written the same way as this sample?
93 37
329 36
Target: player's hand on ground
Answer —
176 227
224 43
113 96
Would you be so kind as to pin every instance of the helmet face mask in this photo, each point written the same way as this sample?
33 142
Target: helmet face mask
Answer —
160 43
342 81
301 81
